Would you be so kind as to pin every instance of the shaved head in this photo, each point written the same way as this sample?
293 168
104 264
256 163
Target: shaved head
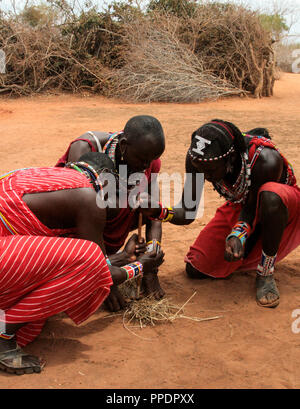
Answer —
98 161
142 128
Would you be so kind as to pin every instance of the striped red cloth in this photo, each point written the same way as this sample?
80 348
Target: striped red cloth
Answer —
42 274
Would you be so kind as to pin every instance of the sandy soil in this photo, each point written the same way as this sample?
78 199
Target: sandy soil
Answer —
248 347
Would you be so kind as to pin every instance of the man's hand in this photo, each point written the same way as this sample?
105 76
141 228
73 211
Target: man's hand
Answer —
151 260
233 249
150 283
115 301
134 248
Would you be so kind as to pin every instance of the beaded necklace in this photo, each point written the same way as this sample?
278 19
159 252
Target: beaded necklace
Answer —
88 171
110 150
111 146
237 193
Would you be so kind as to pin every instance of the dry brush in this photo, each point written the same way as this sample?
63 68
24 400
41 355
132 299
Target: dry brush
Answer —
217 51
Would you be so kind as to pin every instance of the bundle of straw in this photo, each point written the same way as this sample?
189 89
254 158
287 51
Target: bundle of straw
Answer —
149 311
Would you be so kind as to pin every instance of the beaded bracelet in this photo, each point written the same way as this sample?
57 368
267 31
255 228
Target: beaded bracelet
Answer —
133 270
170 215
166 214
241 230
107 261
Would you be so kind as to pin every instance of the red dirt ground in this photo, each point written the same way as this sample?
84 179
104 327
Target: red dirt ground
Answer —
248 347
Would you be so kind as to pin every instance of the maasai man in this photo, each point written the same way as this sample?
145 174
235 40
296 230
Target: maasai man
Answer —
53 253
260 222
138 147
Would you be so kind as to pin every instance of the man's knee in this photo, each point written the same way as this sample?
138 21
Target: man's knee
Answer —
192 272
88 253
271 205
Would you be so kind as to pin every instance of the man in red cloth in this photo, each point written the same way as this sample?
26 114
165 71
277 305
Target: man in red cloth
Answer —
260 222
53 253
138 148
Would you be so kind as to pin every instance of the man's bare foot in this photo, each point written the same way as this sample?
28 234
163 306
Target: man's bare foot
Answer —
267 293
151 286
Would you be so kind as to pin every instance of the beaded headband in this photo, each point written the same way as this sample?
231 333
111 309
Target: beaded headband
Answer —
199 159
202 142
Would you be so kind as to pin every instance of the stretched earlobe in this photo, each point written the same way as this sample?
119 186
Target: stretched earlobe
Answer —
123 144
229 166
122 153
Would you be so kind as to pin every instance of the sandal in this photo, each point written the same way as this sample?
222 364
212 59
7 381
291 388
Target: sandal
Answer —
17 362
265 285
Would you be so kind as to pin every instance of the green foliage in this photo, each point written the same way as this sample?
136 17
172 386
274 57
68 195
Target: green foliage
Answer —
95 34
39 15
180 8
62 6
123 11
218 7
274 23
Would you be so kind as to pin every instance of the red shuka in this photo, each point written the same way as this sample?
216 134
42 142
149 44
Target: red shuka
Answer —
207 252
42 274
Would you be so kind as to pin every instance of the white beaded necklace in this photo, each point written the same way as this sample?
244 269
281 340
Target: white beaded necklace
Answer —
237 193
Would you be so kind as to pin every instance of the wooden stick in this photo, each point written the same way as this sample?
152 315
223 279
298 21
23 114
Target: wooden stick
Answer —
184 305
139 280
140 225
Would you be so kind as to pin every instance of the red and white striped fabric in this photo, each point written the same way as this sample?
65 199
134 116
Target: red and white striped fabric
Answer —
42 274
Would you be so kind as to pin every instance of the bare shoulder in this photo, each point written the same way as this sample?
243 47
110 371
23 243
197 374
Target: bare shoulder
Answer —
84 198
268 167
101 136
90 218
66 208
78 200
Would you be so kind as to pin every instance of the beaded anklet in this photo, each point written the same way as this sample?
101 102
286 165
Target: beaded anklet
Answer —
6 336
153 245
133 270
266 266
